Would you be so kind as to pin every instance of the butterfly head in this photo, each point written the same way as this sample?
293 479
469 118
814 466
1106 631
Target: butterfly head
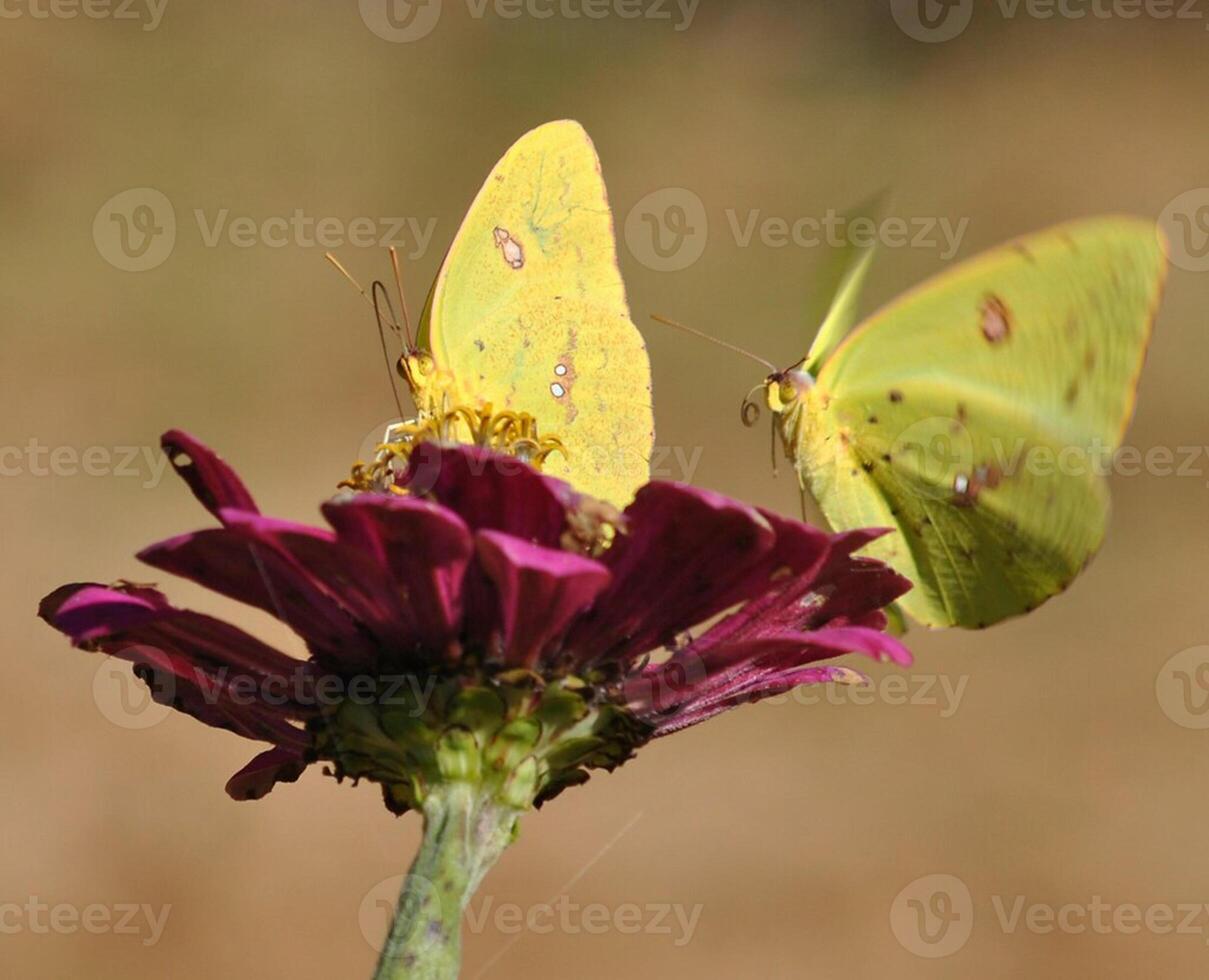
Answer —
784 390
418 369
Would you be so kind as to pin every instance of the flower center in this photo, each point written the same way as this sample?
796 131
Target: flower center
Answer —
508 432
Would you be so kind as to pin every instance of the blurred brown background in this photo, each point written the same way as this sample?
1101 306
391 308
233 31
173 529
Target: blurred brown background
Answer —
1063 763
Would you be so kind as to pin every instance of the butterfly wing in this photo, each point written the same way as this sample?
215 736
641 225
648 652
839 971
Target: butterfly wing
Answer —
529 312
978 413
849 267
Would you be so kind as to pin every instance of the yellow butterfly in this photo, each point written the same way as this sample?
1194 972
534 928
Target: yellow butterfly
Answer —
975 413
528 318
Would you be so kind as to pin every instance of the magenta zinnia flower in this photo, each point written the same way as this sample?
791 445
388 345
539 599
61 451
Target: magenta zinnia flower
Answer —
480 642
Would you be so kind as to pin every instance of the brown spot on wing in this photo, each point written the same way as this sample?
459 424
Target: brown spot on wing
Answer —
995 321
510 248
1023 251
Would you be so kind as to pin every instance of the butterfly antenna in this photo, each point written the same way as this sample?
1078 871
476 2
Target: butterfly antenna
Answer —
394 264
357 286
379 297
772 368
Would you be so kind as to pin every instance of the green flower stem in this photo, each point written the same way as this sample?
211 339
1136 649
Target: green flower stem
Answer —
465 832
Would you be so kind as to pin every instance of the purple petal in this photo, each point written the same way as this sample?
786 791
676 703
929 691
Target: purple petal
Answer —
840 590
372 614
280 764
199 665
212 481
539 591
686 555
420 547
756 687
90 613
232 562
800 548
490 491
698 680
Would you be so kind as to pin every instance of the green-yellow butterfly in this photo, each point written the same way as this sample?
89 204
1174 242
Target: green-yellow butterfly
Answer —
528 314
974 415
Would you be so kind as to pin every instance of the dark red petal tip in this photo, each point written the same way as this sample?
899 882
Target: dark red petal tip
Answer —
280 764
490 491
212 481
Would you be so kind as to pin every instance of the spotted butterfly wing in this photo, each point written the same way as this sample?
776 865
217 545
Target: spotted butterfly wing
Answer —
529 313
975 415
